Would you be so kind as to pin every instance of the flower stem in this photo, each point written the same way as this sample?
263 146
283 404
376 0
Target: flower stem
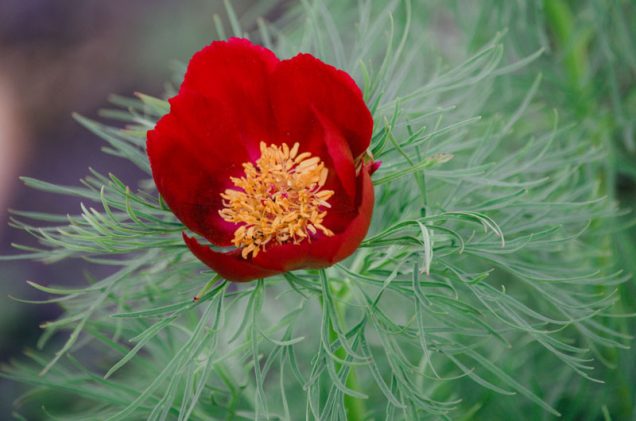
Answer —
355 408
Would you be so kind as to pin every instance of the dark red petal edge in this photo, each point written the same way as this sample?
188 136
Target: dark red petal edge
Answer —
230 265
336 248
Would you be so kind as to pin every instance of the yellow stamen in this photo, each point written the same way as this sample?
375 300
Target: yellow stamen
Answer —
279 200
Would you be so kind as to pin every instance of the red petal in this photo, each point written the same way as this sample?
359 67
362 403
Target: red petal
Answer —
285 258
325 141
236 72
230 266
334 249
340 154
303 84
189 171
223 102
374 166
341 179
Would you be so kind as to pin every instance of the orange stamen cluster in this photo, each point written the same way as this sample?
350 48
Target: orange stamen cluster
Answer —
280 199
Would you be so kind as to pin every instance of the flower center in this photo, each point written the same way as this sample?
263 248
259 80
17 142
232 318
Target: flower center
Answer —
279 199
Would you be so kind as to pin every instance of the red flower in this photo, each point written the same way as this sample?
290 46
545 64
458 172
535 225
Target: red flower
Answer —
266 157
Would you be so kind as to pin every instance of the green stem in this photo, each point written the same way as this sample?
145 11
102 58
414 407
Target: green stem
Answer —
355 408
572 43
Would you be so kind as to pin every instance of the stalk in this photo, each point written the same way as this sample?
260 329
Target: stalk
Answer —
355 408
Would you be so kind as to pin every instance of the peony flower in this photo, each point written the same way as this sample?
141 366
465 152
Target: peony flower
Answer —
266 159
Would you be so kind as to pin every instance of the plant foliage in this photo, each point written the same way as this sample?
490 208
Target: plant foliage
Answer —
485 283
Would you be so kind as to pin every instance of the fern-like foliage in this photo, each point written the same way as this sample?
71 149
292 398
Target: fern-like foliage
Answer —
487 256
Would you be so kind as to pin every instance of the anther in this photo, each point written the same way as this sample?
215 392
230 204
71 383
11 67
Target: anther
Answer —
279 199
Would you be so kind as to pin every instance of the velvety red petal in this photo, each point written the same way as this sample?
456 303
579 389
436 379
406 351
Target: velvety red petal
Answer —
340 246
230 265
326 142
340 156
303 84
236 72
215 124
191 168
342 180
